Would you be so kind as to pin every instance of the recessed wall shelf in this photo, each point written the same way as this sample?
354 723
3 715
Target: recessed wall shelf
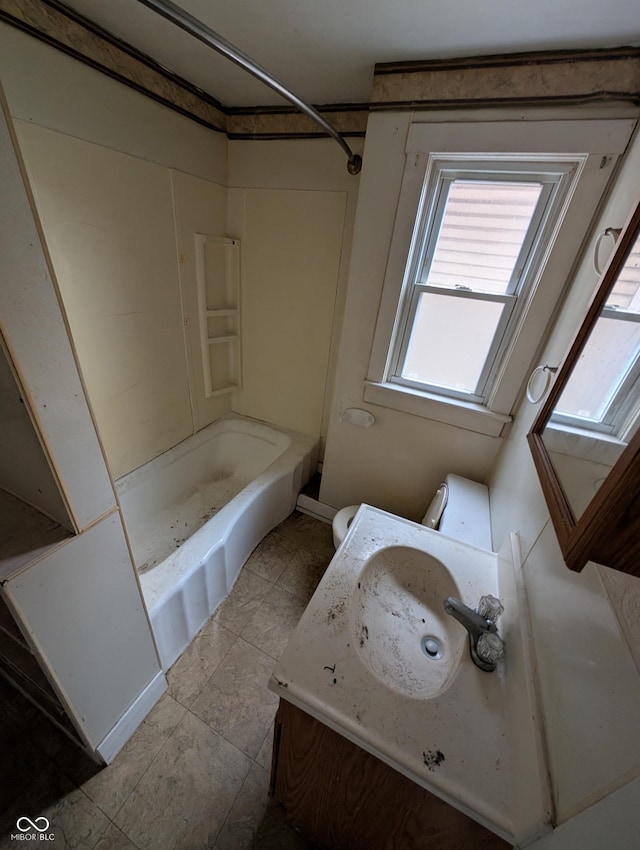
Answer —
218 284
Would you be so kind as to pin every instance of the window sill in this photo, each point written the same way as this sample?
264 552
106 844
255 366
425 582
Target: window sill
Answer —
460 414
582 444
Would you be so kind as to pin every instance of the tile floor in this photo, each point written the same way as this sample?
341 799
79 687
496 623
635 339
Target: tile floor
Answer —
195 774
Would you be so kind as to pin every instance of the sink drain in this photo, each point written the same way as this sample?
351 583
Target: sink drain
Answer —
431 647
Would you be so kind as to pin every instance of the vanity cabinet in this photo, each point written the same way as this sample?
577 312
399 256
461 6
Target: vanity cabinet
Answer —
340 796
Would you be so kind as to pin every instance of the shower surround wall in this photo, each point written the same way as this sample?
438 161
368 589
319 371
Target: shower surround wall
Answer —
120 206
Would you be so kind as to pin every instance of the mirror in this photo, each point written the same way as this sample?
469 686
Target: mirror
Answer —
586 440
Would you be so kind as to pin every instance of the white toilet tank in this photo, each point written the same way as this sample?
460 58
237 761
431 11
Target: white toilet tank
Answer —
460 509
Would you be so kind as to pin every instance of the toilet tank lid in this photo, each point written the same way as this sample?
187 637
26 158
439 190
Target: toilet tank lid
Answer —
467 515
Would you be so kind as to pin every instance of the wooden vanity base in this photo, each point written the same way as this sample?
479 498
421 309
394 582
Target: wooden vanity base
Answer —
343 798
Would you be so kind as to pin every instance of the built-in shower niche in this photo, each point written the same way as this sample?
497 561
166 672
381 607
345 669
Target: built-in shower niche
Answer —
218 287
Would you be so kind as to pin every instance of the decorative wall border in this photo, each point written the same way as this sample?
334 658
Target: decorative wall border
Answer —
575 76
510 79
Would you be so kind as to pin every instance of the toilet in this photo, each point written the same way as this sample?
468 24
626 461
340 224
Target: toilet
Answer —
459 509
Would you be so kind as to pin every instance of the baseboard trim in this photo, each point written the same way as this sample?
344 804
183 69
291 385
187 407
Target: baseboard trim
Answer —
316 509
115 740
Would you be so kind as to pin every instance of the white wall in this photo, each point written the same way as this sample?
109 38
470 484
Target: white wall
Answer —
48 88
24 468
398 463
79 604
109 225
292 204
111 168
589 684
103 161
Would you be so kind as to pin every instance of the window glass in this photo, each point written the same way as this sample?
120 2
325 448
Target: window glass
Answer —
479 232
482 232
604 363
449 340
610 360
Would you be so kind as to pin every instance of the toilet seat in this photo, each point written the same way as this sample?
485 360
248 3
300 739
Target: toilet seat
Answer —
341 522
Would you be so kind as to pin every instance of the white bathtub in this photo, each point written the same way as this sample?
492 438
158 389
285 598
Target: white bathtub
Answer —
195 514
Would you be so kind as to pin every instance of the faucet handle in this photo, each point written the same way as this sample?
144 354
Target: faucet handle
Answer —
490 647
490 608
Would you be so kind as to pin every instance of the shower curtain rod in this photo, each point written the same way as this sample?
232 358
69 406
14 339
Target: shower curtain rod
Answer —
201 31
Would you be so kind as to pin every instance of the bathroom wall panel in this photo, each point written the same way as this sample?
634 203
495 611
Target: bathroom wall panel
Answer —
589 683
46 87
291 247
108 222
87 620
200 207
303 165
24 469
588 680
35 335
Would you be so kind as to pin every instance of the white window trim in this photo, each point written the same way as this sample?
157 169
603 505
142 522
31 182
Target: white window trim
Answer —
598 143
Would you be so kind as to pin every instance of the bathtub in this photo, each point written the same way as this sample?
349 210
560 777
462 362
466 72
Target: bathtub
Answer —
195 513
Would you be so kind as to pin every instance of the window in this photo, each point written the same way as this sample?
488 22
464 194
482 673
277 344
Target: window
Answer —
480 238
489 222
601 394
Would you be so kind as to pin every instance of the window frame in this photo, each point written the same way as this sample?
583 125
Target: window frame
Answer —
556 177
598 142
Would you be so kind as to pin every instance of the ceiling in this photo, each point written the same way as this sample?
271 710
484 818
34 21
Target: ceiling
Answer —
325 50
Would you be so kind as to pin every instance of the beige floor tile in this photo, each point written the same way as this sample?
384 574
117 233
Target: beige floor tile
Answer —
189 674
271 626
298 528
256 823
112 785
74 820
239 607
266 750
114 839
183 799
241 826
271 557
304 571
236 701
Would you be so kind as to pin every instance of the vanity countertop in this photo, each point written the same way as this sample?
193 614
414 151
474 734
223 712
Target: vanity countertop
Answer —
476 743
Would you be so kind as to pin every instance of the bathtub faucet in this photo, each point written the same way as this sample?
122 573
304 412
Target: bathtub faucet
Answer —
485 644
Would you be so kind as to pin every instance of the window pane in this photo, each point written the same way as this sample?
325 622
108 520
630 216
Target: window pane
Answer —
482 232
450 340
605 360
625 295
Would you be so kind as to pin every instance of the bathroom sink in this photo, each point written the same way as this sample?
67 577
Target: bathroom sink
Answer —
400 628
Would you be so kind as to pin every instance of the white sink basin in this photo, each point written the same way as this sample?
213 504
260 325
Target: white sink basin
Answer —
400 628
355 662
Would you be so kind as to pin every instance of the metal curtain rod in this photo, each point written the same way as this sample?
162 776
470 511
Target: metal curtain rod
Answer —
201 31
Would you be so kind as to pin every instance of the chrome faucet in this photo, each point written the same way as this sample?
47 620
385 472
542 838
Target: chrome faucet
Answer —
485 644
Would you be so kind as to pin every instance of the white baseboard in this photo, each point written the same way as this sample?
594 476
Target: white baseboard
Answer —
316 509
115 740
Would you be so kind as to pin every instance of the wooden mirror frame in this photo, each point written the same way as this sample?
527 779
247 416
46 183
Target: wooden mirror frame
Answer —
608 531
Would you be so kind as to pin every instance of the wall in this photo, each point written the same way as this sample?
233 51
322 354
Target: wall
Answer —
116 215
79 602
109 225
398 463
588 682
24 468
292 204
121 195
